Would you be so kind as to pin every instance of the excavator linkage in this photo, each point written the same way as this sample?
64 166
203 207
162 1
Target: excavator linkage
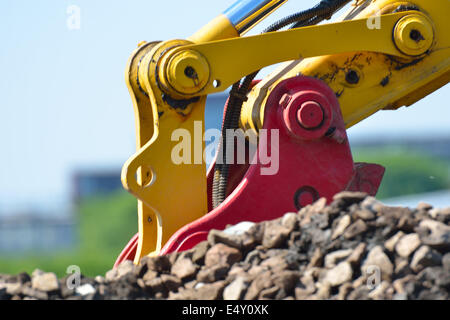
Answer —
284 142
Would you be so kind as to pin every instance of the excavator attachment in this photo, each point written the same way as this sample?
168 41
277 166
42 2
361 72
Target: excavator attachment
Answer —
284 143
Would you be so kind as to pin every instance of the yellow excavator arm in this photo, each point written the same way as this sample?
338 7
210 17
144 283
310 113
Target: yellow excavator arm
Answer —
382 54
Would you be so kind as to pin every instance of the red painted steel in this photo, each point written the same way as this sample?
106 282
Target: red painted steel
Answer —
315 161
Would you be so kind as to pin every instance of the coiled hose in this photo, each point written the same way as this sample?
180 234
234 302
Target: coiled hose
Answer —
238 93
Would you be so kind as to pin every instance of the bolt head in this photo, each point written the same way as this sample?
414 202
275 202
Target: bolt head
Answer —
188 72
414 34
310 115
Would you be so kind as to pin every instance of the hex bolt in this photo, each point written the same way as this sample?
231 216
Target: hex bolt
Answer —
310 115
414 34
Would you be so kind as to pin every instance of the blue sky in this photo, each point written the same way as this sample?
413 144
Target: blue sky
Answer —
64 103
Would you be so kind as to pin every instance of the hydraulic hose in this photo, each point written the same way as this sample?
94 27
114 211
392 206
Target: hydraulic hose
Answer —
324 8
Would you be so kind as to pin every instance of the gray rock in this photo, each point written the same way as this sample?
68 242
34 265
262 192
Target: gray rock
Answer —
350 197
340 274
392 242
12 288
46 282
371 204
236 289
402 267
255 270
407 245
200 250
286 280
399 284
261 282
306 213
274 236
339 230
424 206
446 261
344 290
149 275
359 293
237 271
184 268
401 296
268 293
218 236
355 229
100 279
435 234
239 229
355 258
442 213
20 278
159 263
37 272
435 275
34 294
425 257
378 259
365 214
256 233
209 291
170 282
276 263
319 205
433 294
333 258
155 285
290 221
85 289
221 254
213 273
316 259
253 257
111 275
303 294
380 291
124 268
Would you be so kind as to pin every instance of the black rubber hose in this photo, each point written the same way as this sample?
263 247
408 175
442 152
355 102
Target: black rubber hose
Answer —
324 10
231 120
310 22
221 170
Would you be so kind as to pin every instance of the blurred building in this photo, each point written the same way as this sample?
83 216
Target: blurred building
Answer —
32 232
27 229
90 183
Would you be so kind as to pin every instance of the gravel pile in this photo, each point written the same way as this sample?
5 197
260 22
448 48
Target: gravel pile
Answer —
355 248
